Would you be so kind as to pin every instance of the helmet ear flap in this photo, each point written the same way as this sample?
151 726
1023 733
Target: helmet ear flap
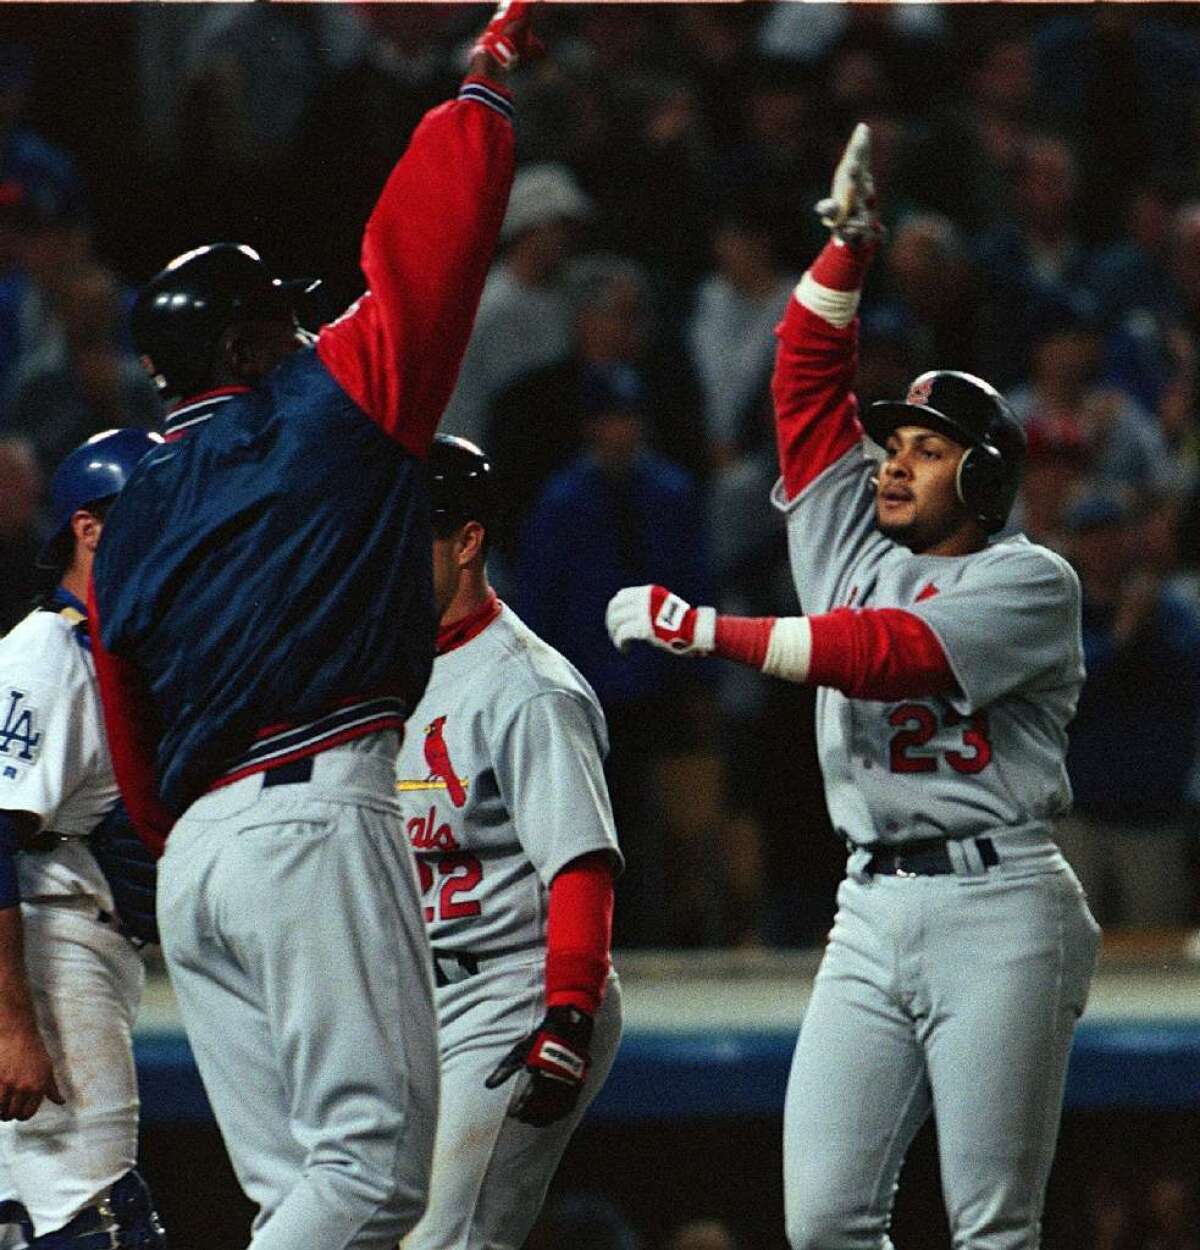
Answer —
985 486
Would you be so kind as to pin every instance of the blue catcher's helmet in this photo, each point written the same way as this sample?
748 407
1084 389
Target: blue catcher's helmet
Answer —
95 471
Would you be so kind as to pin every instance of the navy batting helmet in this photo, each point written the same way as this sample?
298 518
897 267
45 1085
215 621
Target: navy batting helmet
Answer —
180 314
973 413
95 471
460 484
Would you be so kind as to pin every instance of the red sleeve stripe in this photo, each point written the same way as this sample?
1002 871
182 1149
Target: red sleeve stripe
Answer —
878 653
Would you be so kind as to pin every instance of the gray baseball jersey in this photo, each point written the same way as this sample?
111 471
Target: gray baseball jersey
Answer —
949 987
988 758
501 784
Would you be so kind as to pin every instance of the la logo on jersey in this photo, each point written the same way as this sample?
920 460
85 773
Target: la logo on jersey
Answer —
19 734
437 757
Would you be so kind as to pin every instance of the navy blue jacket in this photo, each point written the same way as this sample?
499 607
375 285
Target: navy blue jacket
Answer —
265 576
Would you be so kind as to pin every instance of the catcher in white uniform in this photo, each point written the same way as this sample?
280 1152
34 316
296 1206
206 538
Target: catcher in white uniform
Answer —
502 789
76 904
949 666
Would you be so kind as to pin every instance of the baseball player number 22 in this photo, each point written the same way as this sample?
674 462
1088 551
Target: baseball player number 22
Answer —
463 873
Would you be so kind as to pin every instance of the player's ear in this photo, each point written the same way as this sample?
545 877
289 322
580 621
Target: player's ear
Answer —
86 527
471 539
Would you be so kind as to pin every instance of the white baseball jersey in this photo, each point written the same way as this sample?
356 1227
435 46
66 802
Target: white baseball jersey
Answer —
991 756
501 784
54 759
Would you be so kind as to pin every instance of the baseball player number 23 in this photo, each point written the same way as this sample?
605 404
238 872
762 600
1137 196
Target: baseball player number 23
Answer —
918 723
463 873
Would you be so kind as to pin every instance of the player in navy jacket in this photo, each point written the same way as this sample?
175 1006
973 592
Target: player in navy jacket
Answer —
263 616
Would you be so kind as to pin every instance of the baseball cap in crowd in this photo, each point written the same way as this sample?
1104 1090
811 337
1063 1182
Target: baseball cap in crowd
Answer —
1094 511
611 387
543 192
1057 439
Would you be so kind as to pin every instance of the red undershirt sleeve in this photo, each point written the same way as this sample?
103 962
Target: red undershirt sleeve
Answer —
878 653
131 725
579 933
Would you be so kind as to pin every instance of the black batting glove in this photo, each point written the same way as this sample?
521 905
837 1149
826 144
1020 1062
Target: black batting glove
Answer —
556 1057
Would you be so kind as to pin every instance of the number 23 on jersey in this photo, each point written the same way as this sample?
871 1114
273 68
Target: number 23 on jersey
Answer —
916 724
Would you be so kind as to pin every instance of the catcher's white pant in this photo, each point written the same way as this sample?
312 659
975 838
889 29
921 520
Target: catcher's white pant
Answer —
956 994
87 983
292 929
491 1172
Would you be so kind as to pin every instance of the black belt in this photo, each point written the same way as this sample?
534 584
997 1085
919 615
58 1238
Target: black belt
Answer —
293 773
467 962
925 857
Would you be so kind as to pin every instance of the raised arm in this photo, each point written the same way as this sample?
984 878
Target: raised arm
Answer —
428 246
816 415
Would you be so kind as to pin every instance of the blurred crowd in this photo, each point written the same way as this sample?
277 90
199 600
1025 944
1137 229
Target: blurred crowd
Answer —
1038 172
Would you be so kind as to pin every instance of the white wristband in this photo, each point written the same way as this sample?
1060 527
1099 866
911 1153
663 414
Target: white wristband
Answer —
789 651
836 307
704 640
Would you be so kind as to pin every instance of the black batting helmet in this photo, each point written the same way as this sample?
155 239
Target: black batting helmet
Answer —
180 314
973 413
460 480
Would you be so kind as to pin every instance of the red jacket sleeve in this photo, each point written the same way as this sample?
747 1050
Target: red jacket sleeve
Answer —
426 251
579 933
131 724
878 653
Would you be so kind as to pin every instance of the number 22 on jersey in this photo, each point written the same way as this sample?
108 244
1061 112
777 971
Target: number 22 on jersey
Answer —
443 880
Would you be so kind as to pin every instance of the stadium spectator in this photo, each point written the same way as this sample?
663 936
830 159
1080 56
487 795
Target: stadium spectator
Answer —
935 290
1117 82
1035 251
730 334
964 163
534 422
1067 390
60 396
524 319
1057 463
26 157
1131 837
45 241
619 511
398 71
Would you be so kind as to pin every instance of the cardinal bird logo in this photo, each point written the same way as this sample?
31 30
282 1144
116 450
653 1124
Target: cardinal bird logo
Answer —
920 391
438 759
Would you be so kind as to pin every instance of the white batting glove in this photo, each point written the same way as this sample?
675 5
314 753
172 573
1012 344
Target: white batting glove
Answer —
653 614
851 208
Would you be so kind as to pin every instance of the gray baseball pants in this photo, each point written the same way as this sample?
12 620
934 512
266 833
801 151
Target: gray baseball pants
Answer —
292 930
956 995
